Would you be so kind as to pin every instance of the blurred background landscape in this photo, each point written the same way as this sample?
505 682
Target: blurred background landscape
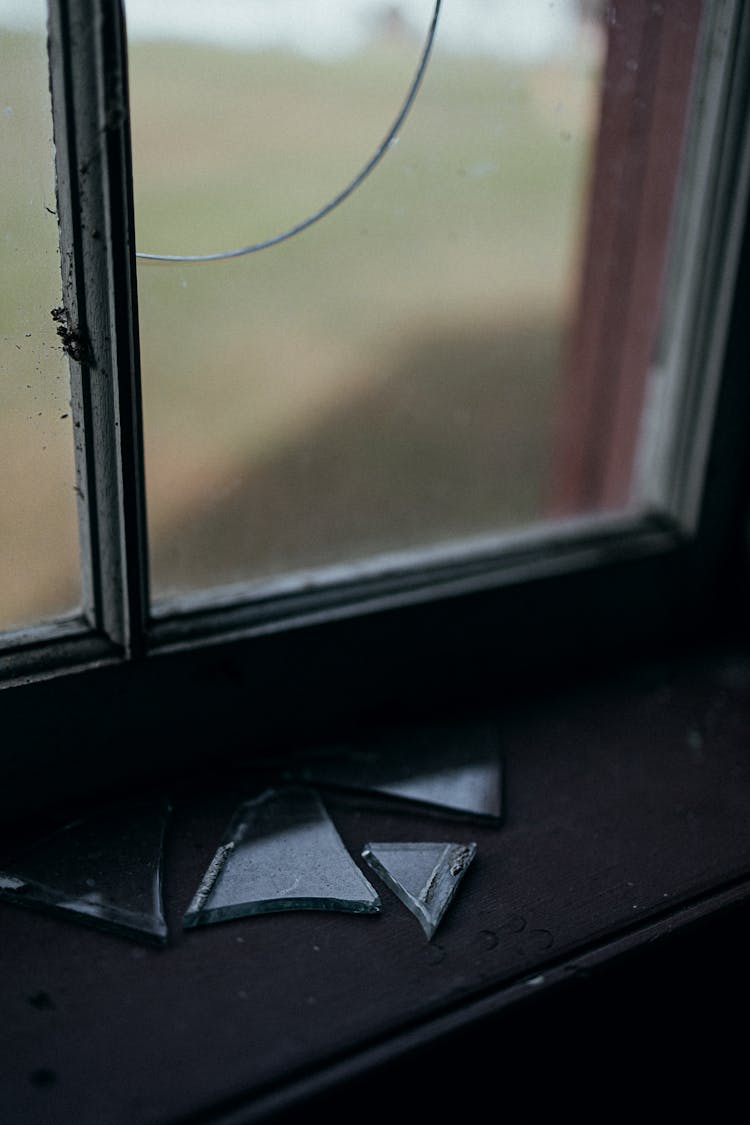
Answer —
387 379
38 521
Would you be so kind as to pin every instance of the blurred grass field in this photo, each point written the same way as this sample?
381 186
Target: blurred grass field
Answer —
385 380
38 528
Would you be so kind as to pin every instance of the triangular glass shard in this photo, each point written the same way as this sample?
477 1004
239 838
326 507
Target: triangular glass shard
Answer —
104 870
455 768
280 852
424 876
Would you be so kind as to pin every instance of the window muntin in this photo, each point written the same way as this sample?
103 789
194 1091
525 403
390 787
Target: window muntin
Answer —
39 560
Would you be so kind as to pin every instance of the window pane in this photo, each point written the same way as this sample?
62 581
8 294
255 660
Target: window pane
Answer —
390 378
38 524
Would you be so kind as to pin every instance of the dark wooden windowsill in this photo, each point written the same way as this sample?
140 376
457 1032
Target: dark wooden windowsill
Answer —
628 819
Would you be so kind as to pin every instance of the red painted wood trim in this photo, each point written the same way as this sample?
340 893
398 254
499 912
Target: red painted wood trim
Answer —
647 75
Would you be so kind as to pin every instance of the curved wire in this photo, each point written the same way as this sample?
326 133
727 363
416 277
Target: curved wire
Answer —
326 209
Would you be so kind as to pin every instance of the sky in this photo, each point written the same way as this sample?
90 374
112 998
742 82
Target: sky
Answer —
514 29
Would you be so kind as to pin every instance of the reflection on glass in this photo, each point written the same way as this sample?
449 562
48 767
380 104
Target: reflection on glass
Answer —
38 525
448 768
424 876
385 380
281 852
104 871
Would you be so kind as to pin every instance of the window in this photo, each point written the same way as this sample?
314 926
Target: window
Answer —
385 380
342 645
119 694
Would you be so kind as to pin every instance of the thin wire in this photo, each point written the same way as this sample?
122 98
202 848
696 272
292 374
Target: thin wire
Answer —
377 156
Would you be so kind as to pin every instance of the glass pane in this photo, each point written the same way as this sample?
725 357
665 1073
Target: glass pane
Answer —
38 523
445 769
104 870
280 852
424 876
391 377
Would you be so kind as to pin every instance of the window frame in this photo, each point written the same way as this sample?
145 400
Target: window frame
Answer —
87 709
251 667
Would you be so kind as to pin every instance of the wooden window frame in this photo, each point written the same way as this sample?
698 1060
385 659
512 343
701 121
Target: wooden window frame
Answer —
579 613
387 638
644 106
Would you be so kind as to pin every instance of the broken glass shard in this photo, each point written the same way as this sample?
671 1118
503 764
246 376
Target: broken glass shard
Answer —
451 767
104 870
424 876
280 852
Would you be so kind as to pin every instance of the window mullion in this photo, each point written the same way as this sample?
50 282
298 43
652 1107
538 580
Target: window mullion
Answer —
94 183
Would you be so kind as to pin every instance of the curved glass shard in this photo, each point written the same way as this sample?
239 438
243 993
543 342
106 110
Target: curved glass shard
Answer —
454 768
424 876
104 871
280 852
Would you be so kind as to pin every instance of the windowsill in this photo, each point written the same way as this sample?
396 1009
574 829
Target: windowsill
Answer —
627 813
